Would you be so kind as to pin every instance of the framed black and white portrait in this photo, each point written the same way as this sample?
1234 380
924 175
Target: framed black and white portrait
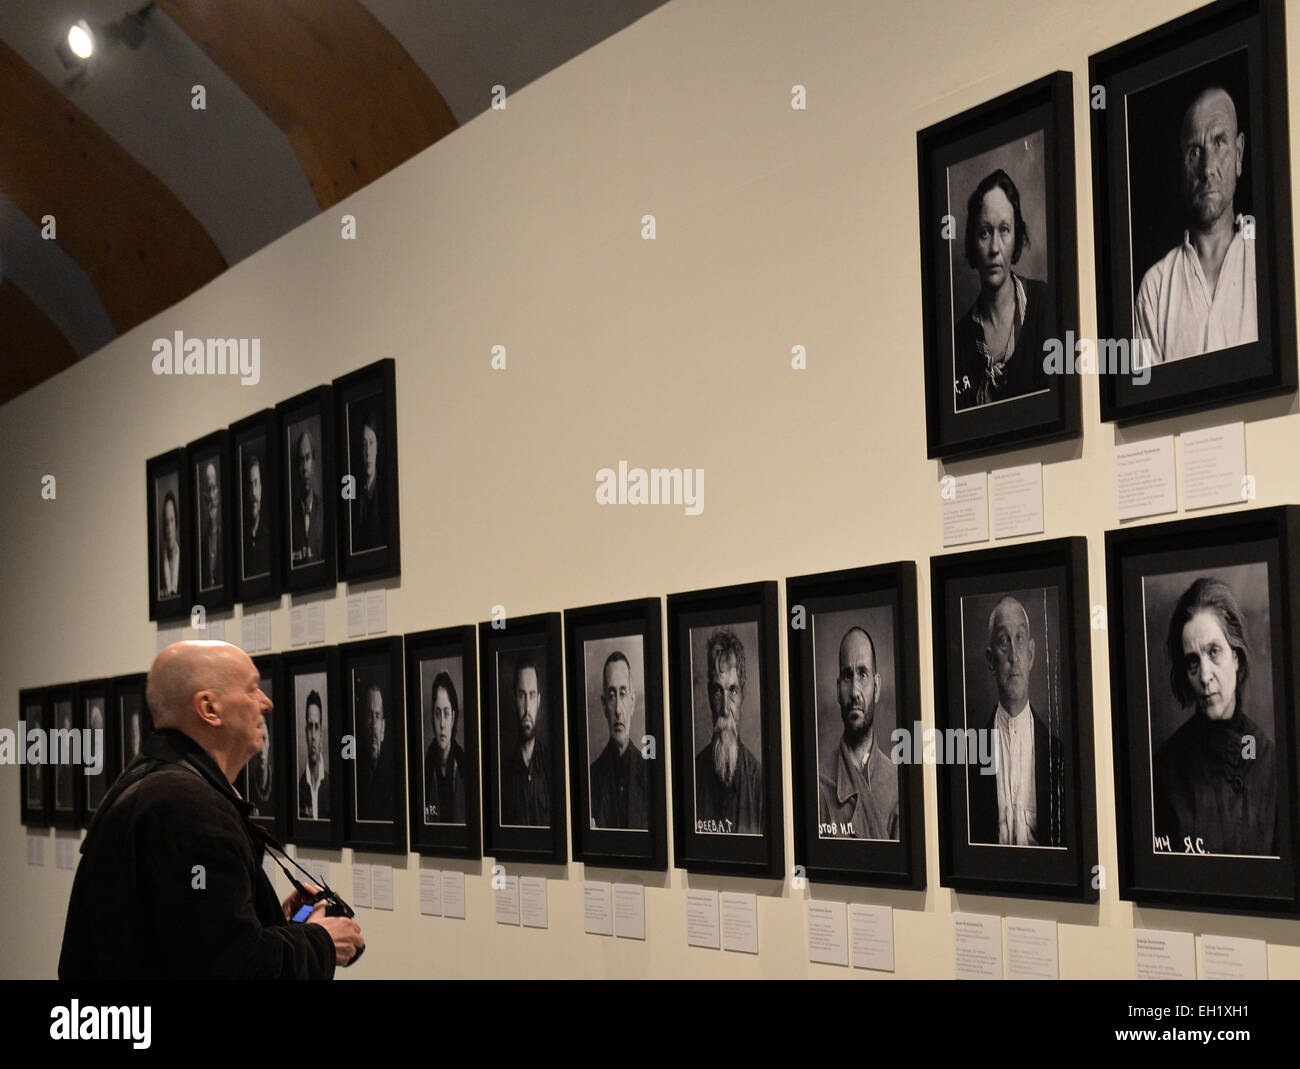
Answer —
1191 205
522 688
97 767
442 741
170 539
724 676
369 531
65 810
374 718
999 272
855 708
130 720
207 465
1013 721
614 657
264 779
255 465
35 786
309 490
316 794
1202 649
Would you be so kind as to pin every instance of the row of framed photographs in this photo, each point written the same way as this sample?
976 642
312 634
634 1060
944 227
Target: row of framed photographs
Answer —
291 499
1192 230
1202 643
63 794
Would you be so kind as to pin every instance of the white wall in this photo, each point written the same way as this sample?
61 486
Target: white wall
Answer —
775 227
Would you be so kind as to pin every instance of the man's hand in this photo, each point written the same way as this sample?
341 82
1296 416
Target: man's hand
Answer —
345 932
296 900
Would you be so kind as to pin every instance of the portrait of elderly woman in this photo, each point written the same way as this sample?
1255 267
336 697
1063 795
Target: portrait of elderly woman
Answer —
1215 780
998 342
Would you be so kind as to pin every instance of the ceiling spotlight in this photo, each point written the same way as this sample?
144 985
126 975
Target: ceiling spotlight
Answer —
80 40
77 47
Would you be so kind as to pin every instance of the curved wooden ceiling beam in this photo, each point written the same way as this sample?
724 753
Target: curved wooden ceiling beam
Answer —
351 100
140 246
31 347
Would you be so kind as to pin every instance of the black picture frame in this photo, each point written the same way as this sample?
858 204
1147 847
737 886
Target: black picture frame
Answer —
1153 77
369 524
67 788
964 588
257 474
306 563
964 413
595 637
92 713
130 719
212 563
270 800
1251 553
752 843
304 674
170 580
375 805
881 601
439 828
34 782
510 831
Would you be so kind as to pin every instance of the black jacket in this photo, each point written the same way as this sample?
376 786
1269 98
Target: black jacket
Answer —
444 796
1049 789
607 808
171 886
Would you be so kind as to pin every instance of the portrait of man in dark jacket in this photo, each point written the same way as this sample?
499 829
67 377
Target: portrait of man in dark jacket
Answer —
367 515
618 775
375 773
526 765
1021 801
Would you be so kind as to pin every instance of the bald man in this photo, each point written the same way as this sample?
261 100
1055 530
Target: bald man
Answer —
170 884
1201 296
1023 803
858 784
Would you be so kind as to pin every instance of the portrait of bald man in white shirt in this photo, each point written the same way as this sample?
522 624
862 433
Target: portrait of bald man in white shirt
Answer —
1200 297
1022 804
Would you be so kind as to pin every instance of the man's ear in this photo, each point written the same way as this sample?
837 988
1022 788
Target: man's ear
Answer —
1241 150
205 707
988 659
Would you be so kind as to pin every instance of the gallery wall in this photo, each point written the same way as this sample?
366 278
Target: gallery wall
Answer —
774 227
